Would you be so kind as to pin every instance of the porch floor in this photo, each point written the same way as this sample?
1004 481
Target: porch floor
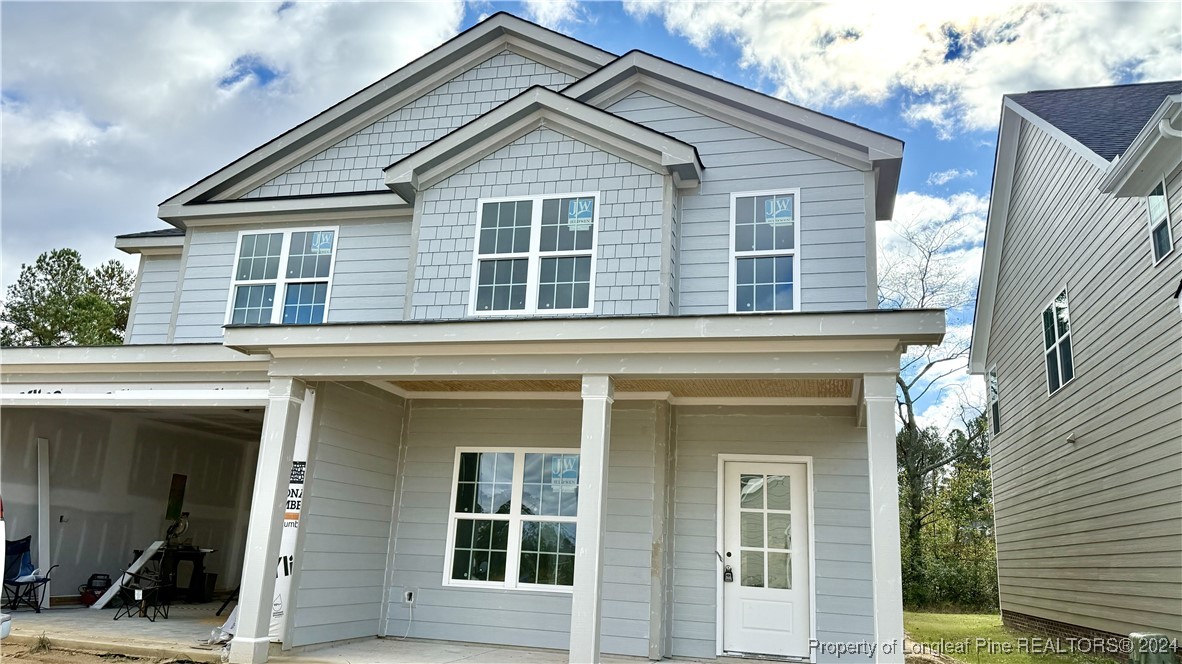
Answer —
86 629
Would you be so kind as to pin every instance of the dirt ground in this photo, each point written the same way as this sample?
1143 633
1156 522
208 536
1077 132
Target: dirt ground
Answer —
22 653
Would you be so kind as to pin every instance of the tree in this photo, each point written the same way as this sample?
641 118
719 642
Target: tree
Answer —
58 302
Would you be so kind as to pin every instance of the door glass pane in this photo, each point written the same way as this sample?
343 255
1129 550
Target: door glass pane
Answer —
778 492
751 491
751 529
751 569
779 571
779 531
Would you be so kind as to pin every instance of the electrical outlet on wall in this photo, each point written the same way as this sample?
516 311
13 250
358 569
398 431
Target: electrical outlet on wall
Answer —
408 596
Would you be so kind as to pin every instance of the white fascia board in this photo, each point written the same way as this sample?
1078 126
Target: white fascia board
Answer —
1155 152
242 211
1008 133
806 331
485 39
819 125
1059 135
160 245
531 109
172 359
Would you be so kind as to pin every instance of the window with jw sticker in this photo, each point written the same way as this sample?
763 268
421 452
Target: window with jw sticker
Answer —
580 213
321 242
779 210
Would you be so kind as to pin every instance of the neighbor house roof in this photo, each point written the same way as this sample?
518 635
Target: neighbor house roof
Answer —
1104 120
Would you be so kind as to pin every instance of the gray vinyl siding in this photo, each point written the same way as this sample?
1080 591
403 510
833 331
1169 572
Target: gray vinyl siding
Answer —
832 208
355 163
369 280
841 514
149 319
515 617
346 515
628 264
1091 533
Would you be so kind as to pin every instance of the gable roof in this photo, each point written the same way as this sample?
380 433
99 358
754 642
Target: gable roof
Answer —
762 114
500 31
534 108
1106 119
163 241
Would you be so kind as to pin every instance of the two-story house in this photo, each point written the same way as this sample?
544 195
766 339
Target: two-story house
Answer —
582 352
1078 332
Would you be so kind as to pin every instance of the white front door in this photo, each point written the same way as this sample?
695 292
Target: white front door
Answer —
766 608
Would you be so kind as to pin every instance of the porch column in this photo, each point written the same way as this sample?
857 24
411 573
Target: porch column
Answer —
886 560
585 604
276 448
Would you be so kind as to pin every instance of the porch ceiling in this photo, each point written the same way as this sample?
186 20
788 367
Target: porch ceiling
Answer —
786 388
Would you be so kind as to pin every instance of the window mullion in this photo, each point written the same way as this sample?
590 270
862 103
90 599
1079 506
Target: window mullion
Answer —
281 279
513 555
534 267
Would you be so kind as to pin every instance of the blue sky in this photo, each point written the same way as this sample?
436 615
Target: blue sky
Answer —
109 108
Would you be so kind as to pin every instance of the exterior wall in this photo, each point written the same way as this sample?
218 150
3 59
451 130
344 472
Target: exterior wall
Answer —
832 208
524 618
355 163
369 280
155 292
1089 533
345 525
109 476
841 514
627 271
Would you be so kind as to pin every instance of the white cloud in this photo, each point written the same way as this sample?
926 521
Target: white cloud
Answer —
553 14
950 62
110 108
941 178
964 212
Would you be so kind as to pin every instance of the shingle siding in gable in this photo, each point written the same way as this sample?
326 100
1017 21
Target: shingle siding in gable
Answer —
355 163
627 272
832 209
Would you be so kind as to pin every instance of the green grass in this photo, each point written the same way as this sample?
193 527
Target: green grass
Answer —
959 633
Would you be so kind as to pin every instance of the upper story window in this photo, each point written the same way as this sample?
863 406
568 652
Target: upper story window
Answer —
513 519
293 265
764 269
1056 328
535 254
994 406
1159 222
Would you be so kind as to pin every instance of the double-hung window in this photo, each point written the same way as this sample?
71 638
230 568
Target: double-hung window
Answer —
535 254
513 518
282 277
1159 222
1056 332
765 236
994 405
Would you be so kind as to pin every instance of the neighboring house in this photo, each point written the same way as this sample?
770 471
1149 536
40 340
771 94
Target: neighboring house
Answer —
1078 332
435 290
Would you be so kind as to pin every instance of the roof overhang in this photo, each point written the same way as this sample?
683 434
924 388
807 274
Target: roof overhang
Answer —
278 209
485 39
542 107
1153 154
774 118
159 245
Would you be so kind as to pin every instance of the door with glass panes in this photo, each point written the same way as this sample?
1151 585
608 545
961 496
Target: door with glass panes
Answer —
766 595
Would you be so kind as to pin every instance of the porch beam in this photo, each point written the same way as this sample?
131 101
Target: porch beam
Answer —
586 606
276 450
886 557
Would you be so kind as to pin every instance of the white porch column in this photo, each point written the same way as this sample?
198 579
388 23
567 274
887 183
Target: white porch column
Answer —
884 517
264 531
598 394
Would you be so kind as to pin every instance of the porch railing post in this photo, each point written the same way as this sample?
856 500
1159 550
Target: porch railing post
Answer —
887 568
276 449
598 394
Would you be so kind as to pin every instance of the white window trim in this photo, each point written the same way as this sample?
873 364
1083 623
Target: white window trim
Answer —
514 518
993 396
281 281
732 298
1152 223
1055 347
534 256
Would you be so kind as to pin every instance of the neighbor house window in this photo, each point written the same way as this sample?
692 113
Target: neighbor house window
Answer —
513 518
994 409
1056 331
1159 222
764 266
282 277
535 254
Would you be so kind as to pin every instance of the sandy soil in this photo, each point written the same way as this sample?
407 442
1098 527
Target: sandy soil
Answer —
66 656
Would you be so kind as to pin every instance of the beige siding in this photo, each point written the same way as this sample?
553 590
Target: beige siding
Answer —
1088 533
